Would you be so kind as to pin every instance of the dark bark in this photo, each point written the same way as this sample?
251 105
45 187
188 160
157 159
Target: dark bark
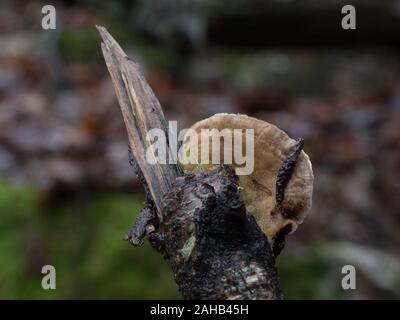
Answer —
286 171
215 248
198 223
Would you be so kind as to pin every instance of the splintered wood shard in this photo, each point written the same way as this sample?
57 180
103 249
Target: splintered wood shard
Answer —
142 112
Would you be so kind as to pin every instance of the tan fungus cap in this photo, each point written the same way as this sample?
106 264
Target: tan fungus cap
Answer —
271 147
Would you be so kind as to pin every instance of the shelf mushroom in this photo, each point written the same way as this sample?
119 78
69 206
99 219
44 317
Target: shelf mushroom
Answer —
278 191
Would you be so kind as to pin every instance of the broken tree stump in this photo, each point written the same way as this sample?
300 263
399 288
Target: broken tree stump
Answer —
199 223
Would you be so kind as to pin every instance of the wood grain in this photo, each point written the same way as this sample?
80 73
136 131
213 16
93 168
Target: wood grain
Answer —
142 112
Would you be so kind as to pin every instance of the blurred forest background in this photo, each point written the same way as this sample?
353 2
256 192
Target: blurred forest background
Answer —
68 194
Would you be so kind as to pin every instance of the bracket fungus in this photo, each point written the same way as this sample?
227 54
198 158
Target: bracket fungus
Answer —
278 191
